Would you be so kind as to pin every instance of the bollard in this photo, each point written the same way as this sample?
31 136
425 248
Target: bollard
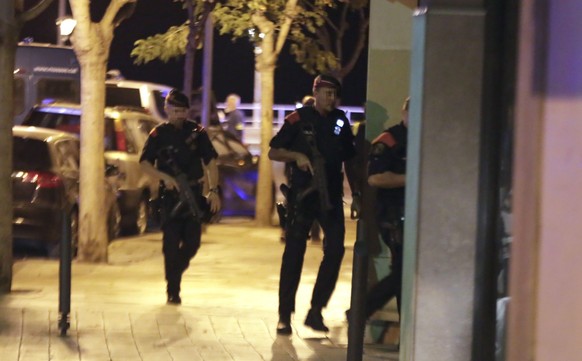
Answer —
356 317
65 275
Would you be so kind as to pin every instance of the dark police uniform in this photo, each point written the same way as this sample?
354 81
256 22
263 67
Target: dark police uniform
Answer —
335 142
389 154
188 147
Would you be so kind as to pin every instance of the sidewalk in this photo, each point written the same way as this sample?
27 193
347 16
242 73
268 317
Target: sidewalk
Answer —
228 311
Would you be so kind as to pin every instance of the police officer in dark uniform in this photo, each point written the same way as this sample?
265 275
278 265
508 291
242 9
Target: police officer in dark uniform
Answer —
310 137
180 146
387 172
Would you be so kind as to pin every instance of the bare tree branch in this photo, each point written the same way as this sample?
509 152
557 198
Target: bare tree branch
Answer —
33 12
360 43
290 13
325 18
112 10
324 38
343 26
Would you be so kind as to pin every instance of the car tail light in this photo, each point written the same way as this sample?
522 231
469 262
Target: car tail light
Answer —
42 179
120 139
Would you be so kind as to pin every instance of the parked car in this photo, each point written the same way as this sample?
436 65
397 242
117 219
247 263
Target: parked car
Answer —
45 182
126 130
238 172
138 94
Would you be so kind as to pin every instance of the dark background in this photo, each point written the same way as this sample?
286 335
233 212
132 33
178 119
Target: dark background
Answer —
233 63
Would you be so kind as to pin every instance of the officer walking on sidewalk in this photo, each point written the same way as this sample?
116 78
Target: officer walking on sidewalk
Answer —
173 149
315 141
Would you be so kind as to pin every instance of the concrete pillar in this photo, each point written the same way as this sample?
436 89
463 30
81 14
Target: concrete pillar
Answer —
442 181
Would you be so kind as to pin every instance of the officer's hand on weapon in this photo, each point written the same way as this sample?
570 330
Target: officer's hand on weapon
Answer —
170 182
303 163
356 206
214 199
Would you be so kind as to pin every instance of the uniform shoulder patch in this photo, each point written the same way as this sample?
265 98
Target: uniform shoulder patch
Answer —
385 138
293 118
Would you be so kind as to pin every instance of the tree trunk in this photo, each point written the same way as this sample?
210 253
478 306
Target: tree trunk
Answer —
264 204
93 239
8 43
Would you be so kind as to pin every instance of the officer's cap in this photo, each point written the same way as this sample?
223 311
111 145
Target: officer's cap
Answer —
326 80
177 99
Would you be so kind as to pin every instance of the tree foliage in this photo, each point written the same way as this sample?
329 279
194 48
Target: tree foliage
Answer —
325 48
174 42
235 18
317 37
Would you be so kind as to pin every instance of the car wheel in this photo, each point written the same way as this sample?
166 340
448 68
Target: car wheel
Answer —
114 222
141 221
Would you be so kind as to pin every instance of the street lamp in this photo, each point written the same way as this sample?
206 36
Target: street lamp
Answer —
66 25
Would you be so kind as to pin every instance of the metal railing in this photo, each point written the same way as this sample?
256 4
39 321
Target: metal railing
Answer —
252 124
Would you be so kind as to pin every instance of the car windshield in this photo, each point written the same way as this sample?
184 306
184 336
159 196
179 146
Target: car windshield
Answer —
61 121
116 96
30 155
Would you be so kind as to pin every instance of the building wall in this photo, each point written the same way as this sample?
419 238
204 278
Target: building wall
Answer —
546 288
388 65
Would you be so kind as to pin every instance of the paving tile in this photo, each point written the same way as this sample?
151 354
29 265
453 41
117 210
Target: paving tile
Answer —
228 314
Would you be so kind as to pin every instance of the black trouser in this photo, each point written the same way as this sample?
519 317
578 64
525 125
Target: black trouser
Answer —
299 221
391 232
181 241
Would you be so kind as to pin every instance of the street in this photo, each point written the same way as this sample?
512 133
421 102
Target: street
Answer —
228 311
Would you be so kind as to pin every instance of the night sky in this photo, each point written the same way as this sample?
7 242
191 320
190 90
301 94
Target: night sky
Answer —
233 61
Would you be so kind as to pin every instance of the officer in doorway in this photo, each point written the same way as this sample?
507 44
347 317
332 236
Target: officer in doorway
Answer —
387 172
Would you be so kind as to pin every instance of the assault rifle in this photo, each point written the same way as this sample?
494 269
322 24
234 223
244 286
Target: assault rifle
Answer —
187 197
319 179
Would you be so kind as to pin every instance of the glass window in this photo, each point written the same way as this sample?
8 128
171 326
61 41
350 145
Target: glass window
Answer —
111 140
59 121
129 132
115 96
58 89
30 155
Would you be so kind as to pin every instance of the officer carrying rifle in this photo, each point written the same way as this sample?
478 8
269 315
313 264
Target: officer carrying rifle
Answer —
179 153
315 142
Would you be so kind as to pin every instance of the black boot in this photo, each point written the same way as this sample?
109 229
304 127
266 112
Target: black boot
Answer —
284 326
174 299
314 320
